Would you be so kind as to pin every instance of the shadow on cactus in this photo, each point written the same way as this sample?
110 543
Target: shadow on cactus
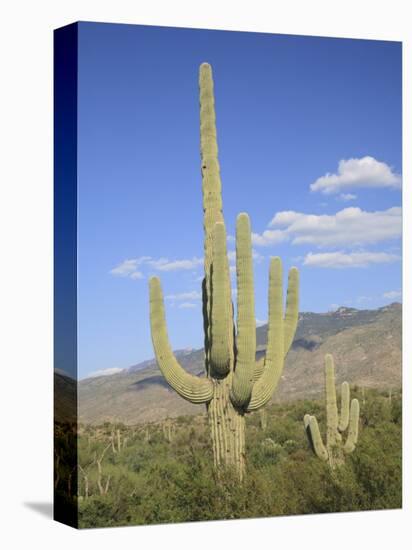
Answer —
334 451
235 383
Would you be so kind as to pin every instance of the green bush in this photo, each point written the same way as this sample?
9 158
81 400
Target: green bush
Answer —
152 480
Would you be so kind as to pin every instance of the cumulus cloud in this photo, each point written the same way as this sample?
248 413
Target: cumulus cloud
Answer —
348 227
163 264
260 322
356 173
104 372
133 268
340 260
125 269
392 295
269 237
129 268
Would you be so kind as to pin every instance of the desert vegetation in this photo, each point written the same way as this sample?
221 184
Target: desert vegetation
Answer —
163 471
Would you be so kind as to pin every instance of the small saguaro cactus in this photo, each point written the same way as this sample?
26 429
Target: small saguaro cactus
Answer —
334 450
235 383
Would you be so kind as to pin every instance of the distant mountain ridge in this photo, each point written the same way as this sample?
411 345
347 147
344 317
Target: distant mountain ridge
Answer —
152 362
366 345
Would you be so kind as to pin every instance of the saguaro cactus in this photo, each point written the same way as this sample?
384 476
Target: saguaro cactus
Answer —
235 383
334 450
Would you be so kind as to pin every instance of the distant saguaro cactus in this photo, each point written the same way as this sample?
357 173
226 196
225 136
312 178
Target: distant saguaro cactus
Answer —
235 383
334 451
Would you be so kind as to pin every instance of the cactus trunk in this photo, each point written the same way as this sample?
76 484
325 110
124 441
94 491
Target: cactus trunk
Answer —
235 383
227 428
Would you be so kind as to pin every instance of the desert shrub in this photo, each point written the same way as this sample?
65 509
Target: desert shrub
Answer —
156 481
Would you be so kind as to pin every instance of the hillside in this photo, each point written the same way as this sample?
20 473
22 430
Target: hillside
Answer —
65 399
366 345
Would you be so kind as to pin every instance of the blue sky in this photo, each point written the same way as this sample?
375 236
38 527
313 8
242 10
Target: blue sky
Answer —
309 133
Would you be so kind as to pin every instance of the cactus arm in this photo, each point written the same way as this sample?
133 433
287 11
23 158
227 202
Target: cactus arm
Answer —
290 319
344 411
259 368
353 427
316 438
292 308
331 406
264 387
192 388
221 310
306 421
242 383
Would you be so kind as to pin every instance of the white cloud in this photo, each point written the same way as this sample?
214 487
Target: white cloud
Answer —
125 268
192 295
269 237
350 226
260 322
129 268
355 173
345 197
104 372
392 294
163 264
339 260
187 305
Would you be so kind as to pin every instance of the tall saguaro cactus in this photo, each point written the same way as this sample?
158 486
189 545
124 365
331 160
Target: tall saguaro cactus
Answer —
334 450
235 383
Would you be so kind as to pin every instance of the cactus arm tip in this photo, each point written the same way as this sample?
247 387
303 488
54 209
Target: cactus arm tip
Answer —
353 431
318 445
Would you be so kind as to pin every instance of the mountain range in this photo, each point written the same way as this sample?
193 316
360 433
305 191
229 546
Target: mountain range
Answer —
366 345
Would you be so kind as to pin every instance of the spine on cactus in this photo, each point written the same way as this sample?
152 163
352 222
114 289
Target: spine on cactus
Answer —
336 424
235 382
